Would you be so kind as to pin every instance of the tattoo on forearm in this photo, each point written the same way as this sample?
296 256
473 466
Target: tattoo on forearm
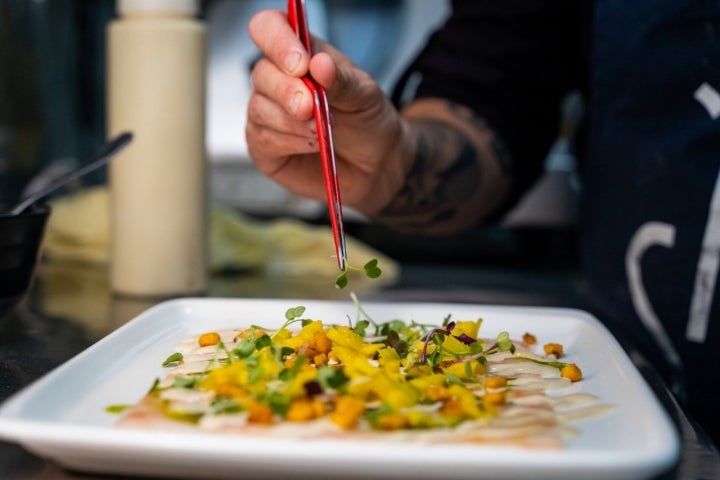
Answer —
439 181
441 190
497 146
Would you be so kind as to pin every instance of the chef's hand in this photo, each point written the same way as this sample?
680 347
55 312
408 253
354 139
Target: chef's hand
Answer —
372 147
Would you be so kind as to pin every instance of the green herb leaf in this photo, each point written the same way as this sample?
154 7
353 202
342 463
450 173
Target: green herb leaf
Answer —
434 358
184 382
295 312
371 269
173 360
397 325
331 378
263 342
371 264
225 405
116 409
452 379
361 327
245 348
286 352
154 386
277 402
342 280
468 370
504 342
287 374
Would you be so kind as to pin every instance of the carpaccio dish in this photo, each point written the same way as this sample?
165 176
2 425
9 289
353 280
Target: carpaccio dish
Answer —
390 381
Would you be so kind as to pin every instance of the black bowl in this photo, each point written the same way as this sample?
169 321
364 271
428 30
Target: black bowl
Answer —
20 242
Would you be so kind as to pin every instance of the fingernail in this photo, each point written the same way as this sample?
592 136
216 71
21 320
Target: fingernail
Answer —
292 61
295 102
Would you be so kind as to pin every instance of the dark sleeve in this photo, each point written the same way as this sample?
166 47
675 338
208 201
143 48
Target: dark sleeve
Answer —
512 62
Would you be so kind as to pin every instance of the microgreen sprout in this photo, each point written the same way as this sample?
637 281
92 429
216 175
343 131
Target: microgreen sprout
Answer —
431 337
363 319
502 344
292 315
275 376
117 408
173 360
370 269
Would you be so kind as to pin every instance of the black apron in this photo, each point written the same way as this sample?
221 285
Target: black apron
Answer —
651 212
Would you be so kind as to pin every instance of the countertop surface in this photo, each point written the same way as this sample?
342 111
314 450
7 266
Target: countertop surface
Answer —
70 307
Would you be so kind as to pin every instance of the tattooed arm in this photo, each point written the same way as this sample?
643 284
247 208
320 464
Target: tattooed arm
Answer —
460 173
432 168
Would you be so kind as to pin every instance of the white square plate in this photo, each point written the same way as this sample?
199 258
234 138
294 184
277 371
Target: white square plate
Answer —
62 416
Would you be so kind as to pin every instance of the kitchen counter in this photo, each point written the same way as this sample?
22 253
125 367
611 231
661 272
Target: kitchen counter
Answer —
70 307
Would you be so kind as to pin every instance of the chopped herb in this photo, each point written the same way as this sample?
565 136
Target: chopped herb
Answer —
225 405
173 360
184 382
244 348
116 409
332 378
262 342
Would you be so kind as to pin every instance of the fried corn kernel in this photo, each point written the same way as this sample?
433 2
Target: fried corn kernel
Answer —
307 350
208 339
347 412
437 392
452 408
553 349
320 360
260 413
321 342
529 338
495 382
494 398
305 409
229 390
392 421
572 372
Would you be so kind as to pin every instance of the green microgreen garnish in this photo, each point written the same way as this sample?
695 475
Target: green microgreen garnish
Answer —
173 360
184 382
292 315
502 344
225 405
370 270
331 378
397 368
116 409
244 348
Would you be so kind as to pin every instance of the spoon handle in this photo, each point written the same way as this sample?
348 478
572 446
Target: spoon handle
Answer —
110 149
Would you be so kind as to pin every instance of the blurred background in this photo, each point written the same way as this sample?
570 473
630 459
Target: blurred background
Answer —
52 116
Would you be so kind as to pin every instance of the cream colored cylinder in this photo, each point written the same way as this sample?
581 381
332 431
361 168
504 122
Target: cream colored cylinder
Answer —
156 89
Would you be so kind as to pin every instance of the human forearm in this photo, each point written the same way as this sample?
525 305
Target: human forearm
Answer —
459 175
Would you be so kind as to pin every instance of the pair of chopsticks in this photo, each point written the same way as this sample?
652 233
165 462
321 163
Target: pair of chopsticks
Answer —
321 111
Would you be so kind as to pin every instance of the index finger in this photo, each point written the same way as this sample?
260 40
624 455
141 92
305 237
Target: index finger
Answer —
272 34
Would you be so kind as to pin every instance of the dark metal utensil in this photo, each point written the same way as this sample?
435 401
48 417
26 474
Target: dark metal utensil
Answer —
108 151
